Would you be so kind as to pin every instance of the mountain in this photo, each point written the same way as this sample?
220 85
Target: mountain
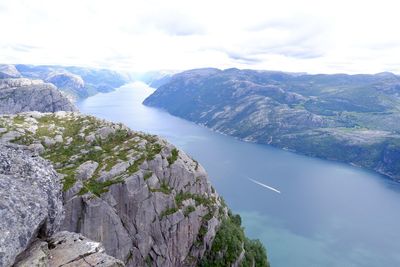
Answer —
76 82
9 71
153 78
31 214
156 79
146 201
21 94
73 85
349 118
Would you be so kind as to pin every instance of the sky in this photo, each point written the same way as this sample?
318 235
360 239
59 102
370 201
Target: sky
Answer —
312 36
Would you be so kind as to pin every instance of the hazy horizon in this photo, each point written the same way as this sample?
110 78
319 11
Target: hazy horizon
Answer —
174 71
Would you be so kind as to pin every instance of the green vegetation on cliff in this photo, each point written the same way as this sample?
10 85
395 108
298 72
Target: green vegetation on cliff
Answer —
109 164
69 140
231 245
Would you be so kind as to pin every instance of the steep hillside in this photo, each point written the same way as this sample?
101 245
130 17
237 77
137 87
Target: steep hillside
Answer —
145 200
73 85
350 118
77 82
21 94
9 71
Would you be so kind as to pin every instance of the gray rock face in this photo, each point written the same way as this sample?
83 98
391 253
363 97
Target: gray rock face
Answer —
9 71
86 170
30 201
132 221
146 201
70 83
19 95
66 249
20 82
35 255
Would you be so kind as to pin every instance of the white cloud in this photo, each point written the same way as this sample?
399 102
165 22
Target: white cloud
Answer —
315 36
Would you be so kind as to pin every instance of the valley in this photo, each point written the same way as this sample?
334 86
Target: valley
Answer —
328 213
347 118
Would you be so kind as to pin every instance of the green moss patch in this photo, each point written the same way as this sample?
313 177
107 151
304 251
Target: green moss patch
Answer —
96 187
168 211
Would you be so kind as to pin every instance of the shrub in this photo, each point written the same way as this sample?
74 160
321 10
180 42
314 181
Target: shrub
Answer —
168 211
188 210
96 187
255 253
229 243
147 175
174 156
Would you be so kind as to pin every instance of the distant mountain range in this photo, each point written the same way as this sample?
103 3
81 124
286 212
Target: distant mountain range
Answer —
75 82
349 118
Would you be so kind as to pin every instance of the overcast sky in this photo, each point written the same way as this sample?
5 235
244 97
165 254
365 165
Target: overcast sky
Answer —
304 36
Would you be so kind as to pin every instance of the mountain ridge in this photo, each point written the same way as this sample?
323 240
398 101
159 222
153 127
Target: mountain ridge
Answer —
349 118
76 82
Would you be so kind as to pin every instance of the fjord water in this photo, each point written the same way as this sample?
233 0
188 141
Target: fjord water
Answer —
327 214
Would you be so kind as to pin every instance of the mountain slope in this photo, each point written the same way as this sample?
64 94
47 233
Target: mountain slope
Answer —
73 85
77 82
146 201
350 118
21 94
9 71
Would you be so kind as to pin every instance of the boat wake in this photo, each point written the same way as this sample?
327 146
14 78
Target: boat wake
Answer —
264 185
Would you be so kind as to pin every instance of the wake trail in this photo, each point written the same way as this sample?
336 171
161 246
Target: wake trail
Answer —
264 185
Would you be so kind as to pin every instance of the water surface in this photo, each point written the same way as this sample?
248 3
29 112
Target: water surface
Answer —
327 214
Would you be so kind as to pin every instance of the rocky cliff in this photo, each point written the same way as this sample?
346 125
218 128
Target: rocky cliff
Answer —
73 85
145 200
31 213
350 118
21 94
9 71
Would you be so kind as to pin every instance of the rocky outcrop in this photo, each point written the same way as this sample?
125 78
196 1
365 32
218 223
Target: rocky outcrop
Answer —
30 201
9 71
31 213
21 82
68 250
143 199
19 95
69 83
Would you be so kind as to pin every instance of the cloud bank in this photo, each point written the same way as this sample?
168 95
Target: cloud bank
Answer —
309 35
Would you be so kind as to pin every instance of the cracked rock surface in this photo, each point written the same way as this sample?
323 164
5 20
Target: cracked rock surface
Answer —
30 200
69 250
31 211
146 201
21 94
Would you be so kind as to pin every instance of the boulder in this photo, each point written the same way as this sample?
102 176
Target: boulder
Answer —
30 200
66 249
86 170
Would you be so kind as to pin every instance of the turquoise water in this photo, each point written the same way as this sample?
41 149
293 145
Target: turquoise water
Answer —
327 214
